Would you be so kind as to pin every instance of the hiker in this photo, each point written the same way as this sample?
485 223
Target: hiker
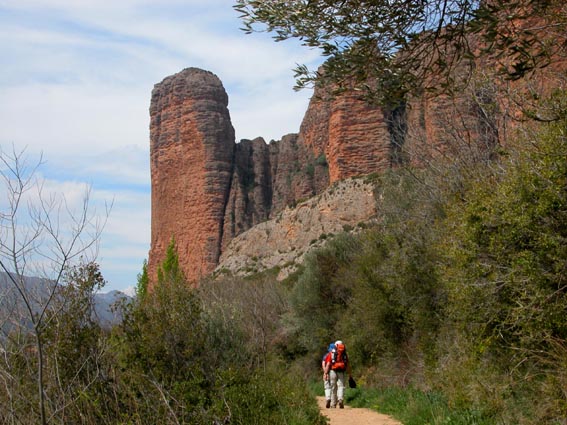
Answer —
326 380
336 363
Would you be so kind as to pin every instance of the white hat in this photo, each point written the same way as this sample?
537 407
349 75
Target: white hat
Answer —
338 342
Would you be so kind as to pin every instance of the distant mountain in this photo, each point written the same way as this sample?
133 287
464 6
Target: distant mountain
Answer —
105 314
38 290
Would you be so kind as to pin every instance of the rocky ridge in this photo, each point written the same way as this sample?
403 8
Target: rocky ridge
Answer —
283 241
191 154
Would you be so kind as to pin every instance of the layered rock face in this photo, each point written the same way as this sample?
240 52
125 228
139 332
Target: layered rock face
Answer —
352 135
250 196
359 140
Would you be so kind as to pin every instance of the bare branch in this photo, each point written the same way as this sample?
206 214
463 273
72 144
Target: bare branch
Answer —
43 239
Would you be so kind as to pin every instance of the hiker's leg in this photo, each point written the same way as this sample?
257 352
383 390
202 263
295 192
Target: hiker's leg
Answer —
340 386
327 386
333 381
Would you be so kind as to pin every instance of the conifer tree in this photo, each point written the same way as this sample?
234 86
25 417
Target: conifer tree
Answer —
169 270
143 282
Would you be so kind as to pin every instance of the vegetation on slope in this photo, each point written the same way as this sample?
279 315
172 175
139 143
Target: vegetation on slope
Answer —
181 356
463 293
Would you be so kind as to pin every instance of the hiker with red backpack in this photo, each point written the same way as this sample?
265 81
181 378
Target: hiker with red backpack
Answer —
336 364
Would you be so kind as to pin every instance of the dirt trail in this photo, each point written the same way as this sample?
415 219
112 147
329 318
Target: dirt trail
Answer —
354 416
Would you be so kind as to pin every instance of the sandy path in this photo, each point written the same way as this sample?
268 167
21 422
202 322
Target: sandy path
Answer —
354 416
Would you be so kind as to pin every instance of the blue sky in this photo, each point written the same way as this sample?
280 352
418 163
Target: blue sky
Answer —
75 85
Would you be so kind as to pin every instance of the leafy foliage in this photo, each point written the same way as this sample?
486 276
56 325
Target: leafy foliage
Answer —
204 355
378 290
75 354
143 282
505 264
391 47
42 234
320 296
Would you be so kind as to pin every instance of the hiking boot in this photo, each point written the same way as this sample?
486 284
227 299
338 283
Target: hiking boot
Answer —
341 404
328 404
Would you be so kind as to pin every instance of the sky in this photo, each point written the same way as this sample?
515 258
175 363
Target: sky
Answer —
75 87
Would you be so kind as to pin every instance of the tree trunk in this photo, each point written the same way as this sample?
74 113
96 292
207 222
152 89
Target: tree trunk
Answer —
40 376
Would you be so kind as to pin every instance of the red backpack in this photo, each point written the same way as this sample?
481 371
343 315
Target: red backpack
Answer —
339 358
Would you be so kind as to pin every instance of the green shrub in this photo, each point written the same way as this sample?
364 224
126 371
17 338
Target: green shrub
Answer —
505 251
321 294
272 397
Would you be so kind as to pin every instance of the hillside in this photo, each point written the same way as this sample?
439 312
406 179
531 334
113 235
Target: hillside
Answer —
282 242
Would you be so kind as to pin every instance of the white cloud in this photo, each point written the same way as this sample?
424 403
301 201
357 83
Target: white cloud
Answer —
129 218
97 75
71 118
123 166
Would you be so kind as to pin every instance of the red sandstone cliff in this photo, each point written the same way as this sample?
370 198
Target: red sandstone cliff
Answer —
207 190
191 150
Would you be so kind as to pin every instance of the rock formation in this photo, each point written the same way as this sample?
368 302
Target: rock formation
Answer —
191 160
283 241
208 190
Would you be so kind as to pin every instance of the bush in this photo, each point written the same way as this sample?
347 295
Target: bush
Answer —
275 396
505 276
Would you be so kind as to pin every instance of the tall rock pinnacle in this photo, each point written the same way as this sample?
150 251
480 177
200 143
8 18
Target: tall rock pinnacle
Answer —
191 156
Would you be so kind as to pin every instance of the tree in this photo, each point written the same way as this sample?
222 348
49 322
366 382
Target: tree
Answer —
391 47
41 234
244 317
504 268
204 354
143 282
164 349
76 347
321 294
169 271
